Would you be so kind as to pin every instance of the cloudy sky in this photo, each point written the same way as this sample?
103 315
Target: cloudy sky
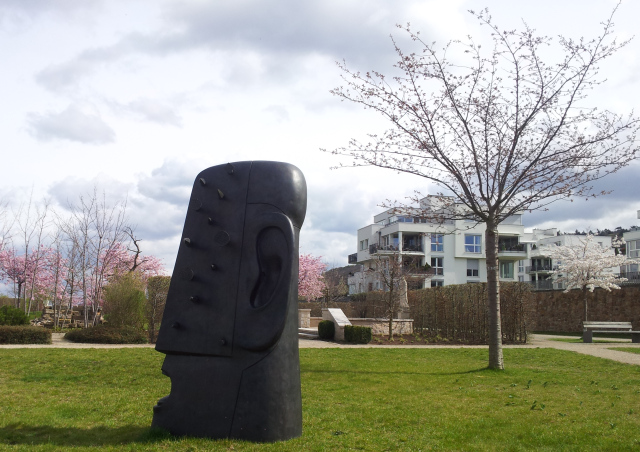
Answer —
137 96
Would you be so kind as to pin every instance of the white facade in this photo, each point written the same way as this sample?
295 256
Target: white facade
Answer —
454 250
632 239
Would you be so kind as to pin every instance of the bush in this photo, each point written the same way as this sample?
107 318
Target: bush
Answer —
13 316
157 289
107 334
326 330
357 334
24 335
124 301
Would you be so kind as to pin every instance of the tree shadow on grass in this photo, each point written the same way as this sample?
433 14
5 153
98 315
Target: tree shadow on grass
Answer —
391 372
18 433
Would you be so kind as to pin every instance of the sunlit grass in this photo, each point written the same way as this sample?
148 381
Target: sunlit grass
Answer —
353 399
627 349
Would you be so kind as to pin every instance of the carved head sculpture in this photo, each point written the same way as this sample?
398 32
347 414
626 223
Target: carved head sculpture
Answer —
232 303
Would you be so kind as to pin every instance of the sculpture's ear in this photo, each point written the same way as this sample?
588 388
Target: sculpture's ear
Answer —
265 284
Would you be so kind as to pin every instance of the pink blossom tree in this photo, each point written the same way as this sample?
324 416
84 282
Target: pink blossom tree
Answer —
310 280
586 265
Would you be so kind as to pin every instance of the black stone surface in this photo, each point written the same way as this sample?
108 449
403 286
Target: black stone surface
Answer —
229 328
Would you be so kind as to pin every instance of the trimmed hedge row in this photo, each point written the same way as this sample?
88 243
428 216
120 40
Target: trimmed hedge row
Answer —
18 334
357 334
326 330
105 334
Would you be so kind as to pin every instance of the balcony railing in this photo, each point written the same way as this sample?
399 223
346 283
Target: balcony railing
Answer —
517 248
541 268
353 258
632 278
394 248
547 284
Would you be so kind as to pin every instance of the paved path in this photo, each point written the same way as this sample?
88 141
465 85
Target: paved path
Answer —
536 341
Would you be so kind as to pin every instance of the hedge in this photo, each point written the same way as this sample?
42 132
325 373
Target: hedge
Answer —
18 334
105 334
357 334
326 330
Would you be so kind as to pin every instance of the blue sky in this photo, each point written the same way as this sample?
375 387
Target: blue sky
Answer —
138 96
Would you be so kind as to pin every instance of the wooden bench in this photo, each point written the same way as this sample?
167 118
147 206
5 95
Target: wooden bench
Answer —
609 328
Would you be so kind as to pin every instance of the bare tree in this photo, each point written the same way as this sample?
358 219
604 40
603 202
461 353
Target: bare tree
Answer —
393 272
502 132
95 229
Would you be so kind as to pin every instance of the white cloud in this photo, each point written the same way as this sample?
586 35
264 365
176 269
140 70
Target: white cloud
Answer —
71 124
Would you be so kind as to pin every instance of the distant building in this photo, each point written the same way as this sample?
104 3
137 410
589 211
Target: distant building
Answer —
455 249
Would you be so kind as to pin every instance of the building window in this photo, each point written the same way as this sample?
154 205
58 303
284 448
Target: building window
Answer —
437 242
472 243
506 270
520 266
472 267
521 278
364 244
437 265
437 283
633 247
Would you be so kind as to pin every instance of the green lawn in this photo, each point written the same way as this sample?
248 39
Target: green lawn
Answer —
580 341
627 349
353 399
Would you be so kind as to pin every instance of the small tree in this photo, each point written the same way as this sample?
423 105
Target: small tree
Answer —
310 280
586 265
124 301
335 286
393 271
157 289
499 128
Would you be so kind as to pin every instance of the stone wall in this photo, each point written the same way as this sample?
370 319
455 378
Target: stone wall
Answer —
564 312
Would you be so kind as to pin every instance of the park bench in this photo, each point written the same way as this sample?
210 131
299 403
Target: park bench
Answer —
609 328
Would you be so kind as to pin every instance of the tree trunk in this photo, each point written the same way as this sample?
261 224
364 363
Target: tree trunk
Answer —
390 305
496 360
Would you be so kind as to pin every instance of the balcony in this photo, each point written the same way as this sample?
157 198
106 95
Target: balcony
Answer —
547 284
509 247
353 258
373 249
541 268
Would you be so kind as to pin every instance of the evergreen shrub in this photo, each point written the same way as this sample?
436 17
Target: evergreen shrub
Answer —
108 334
326 330
20 334
357 334
13 316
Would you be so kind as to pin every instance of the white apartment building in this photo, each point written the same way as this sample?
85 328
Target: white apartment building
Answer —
632 239
454 250
540 266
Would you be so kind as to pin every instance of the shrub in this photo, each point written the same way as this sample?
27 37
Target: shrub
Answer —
157 289
357 334
13 316
18 334
124 301
326 330
107 334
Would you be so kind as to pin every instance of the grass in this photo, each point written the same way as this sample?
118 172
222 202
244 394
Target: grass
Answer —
580 341
353 399
627 349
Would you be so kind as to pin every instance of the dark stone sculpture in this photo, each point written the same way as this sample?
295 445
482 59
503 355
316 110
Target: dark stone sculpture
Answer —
229 328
